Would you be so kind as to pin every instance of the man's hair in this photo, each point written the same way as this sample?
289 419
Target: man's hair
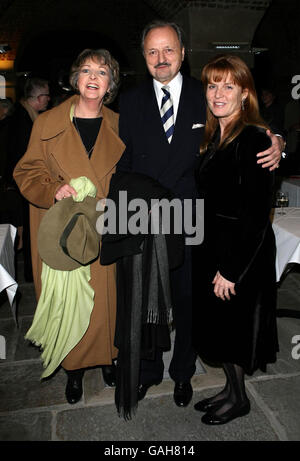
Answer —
7 104
33 86
160 23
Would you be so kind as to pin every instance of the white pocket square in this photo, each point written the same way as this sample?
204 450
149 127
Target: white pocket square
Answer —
197 125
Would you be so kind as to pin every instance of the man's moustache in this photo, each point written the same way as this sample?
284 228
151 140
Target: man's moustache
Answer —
161 64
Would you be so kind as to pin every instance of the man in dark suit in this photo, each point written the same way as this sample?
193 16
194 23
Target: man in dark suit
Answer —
171 161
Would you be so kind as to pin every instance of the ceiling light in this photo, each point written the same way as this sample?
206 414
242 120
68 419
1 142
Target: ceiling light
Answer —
4 48
230 45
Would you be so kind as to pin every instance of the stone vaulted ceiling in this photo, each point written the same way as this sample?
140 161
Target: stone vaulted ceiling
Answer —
48 34
171 7
20 18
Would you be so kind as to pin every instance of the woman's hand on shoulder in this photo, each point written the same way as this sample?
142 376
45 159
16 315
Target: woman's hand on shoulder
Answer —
65 191
222 287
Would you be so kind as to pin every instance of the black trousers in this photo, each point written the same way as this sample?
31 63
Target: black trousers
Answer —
182 366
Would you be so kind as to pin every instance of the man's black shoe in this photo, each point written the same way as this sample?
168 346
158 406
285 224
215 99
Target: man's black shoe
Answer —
74 386
109 373
143 388
183 393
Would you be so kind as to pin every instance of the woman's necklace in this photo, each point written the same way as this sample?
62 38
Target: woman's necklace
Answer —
77 128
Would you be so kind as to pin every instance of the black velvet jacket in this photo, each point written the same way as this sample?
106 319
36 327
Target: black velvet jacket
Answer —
239 242
238 199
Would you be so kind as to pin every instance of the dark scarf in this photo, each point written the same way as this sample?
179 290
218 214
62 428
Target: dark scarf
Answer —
143 290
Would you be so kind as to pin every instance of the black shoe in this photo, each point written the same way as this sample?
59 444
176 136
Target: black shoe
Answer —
109 373
236 411
74 386
208 405
143 388
183 393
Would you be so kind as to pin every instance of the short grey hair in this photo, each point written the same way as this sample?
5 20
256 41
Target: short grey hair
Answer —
103 57
33 85
160 23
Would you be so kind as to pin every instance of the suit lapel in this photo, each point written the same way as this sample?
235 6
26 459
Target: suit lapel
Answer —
152 114
184 116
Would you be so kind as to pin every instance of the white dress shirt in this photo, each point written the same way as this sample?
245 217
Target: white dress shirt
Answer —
175 86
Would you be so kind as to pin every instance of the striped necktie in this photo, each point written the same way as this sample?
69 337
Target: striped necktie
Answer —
167 113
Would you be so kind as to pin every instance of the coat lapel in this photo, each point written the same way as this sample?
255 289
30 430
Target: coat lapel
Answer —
107 151
211 150
184 117
69 152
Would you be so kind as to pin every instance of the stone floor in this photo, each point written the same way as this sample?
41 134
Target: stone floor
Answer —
31 410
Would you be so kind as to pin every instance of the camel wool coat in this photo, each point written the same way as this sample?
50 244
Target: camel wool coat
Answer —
54 156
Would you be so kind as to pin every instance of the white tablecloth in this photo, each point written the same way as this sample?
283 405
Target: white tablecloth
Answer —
7 264
292 186
287 233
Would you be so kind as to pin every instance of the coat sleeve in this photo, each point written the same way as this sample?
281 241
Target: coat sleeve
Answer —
240 246
32 174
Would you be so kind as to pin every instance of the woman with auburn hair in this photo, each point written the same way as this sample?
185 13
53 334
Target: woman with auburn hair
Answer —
235 303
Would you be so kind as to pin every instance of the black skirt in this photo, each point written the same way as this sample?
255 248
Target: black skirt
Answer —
242 330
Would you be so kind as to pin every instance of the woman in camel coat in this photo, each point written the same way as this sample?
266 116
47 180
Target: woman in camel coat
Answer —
78 138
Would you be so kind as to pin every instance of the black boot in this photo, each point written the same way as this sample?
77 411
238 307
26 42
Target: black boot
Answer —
109 373
74 385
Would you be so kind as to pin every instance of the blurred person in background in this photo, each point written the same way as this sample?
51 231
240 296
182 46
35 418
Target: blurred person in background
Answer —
35 100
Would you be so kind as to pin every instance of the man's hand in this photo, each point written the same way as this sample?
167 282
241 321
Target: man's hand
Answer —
270 158
223 288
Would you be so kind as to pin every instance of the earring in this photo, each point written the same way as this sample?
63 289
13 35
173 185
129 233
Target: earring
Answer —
243 106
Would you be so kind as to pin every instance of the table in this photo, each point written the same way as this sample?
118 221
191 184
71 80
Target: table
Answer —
292 186
7 264
287 233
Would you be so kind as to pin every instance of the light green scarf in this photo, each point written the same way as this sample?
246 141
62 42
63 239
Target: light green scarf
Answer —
65 305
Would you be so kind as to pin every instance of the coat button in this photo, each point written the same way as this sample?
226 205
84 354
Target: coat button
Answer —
47 179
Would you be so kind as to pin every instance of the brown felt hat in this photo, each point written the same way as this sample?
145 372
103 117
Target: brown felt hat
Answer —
67 236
